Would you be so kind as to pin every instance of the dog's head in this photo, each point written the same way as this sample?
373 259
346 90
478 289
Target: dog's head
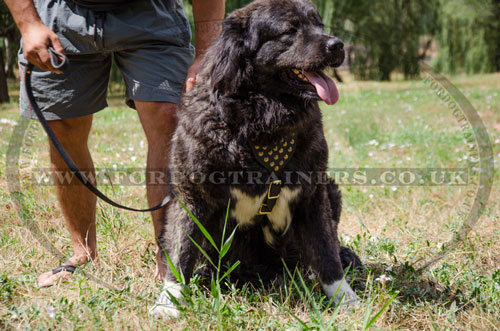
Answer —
276 46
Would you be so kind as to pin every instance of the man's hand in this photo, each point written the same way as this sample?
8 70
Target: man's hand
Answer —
192 73
36 36
36 40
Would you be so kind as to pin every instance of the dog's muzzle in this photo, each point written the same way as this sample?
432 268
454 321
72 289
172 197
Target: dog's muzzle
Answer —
335 51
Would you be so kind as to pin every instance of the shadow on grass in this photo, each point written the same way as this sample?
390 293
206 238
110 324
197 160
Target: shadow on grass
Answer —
413 287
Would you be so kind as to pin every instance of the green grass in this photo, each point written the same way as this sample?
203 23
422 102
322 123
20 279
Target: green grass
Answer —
393 229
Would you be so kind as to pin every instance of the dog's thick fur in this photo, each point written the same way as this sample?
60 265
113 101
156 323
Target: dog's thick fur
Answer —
242 96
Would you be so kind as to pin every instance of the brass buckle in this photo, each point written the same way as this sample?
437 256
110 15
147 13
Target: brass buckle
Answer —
276 182
264 212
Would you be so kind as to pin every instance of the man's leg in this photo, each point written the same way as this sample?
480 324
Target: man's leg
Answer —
78 204
159 121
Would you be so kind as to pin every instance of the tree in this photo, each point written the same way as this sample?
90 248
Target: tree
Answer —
9 36
469 36
381 36
235 4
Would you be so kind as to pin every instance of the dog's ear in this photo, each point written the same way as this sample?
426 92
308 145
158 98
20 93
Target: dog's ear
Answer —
230 65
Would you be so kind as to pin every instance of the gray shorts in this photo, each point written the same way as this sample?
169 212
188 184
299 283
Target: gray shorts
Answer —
148 39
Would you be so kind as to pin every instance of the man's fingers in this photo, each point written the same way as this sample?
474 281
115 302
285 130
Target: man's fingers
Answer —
56 43
192 74
44 61
43 66
36 61
190 82
44 56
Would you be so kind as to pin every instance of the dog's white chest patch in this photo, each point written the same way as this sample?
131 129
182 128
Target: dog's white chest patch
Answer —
247 207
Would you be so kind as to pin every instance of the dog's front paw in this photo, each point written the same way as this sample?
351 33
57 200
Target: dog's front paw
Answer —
164 311
340 289
164 307
351 301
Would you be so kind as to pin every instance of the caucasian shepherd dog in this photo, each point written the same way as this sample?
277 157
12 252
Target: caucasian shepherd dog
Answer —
251 132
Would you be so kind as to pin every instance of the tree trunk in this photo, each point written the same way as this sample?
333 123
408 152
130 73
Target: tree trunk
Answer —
11 45
7 67
4 91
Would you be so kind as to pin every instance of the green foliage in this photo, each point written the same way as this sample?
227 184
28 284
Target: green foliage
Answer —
7 288
9 39
383 36
235 4
217 304
469 36
6 20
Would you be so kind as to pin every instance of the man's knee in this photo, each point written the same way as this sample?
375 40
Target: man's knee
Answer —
73 134
167 113
72 130
157 118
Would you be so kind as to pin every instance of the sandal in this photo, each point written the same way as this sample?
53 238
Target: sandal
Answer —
64 267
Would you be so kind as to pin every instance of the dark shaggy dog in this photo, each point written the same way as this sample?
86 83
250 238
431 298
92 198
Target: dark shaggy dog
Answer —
253 119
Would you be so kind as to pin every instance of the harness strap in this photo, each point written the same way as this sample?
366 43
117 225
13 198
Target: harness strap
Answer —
58 60
273 193
274 158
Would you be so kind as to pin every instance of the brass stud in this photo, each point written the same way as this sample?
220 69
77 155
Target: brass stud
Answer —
266 159
285 144
270 152
292 141
281 150
276 168
257 147
276 157
281 163
271 164
275 148
264 147
290 149
285 157
261 154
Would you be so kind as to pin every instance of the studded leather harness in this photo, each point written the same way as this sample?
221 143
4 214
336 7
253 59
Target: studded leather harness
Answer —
274 157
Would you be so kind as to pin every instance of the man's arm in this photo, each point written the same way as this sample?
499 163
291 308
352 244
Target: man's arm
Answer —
208 15
36 36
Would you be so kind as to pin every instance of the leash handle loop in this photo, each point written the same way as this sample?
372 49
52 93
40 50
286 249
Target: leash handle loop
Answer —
58 61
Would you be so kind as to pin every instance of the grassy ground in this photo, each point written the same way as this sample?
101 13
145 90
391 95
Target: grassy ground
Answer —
393 229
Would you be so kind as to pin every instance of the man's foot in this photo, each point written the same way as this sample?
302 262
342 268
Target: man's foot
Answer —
61 273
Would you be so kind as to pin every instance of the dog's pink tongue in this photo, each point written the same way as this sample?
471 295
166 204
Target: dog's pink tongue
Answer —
325 87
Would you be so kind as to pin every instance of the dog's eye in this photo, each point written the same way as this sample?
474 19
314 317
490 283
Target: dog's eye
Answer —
291 30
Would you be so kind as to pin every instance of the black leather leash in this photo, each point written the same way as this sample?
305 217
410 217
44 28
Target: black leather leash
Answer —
58 61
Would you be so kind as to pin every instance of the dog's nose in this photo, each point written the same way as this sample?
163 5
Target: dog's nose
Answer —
334 45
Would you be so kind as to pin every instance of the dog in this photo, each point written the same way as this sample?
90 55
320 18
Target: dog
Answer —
251 132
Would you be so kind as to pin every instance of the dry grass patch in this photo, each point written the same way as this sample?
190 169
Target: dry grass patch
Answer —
393 229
